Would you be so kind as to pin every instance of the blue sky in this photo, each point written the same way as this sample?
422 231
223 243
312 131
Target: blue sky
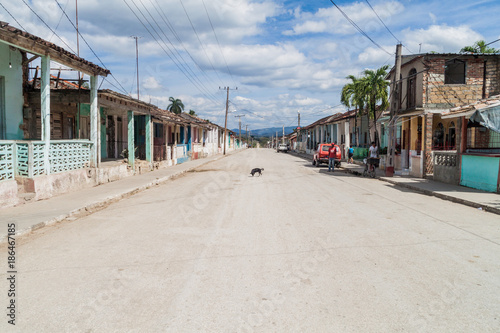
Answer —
284 56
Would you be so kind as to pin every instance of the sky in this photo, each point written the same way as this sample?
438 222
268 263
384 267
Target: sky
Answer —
277 57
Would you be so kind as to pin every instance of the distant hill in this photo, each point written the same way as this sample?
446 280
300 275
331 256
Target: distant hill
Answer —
267 132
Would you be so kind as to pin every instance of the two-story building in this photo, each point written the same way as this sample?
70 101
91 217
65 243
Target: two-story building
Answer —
430 85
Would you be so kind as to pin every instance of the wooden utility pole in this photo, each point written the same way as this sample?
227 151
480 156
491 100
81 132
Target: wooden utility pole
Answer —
246 131
394 110
225 121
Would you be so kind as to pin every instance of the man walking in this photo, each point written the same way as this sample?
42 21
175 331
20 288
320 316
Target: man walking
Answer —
332 154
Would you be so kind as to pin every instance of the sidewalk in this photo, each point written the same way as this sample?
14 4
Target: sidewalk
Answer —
69 206
464 195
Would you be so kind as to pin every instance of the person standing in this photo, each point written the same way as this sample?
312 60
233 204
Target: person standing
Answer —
332 154
350 154
373 151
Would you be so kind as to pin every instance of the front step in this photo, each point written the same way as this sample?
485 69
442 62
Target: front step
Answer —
26 197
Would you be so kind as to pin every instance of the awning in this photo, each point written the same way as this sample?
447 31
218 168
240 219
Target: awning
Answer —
488 117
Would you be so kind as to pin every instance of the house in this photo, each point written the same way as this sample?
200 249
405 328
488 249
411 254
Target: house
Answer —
40 156
430 85
476 162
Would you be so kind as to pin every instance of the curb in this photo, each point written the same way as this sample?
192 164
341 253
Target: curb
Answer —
445 197
100 205
426 192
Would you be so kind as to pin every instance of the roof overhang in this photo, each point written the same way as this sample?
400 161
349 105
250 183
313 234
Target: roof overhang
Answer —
38 46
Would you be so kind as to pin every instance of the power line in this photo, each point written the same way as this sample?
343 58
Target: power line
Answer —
199 40
171 54
217 39
358 28
69 47
95 54
165 19
201 86
380 19
60 19
12 16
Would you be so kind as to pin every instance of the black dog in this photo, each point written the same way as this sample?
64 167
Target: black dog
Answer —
257 170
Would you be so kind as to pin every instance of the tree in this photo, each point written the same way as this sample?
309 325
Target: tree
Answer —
192 113
375 89
353 96
479 47
175 105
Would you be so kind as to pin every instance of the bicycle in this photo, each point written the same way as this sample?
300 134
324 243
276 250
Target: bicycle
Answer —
370 165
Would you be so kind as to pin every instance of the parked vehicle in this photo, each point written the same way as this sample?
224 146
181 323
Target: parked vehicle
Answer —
282 148
321 155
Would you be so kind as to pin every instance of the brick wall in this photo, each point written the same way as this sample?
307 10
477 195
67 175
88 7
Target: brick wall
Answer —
437 94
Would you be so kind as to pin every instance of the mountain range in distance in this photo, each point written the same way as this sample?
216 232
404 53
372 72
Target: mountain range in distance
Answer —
267 132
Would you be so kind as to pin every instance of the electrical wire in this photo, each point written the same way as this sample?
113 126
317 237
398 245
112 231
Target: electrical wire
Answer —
358 28
201 44
218 43
88 45
12 16
69 47
175 61
60 19
182 63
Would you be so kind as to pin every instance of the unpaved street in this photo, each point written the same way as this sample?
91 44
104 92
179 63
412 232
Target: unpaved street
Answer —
296 250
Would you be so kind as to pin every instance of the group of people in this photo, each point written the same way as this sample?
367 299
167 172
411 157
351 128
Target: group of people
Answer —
335 149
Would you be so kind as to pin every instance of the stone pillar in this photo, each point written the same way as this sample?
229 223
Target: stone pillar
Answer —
130 134
427 144
95 124
45 110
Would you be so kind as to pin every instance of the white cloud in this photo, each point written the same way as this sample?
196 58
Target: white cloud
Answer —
441 38
151 83
330 20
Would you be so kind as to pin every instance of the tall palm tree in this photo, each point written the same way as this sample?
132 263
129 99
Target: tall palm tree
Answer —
375 87
479 47
353 96
175 105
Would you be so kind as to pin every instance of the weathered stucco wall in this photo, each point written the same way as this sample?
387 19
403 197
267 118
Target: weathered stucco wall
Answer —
12 99
480 172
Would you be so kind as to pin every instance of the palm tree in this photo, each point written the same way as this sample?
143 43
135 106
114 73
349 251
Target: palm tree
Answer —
192 113
479 47
375 87
354 96
175 105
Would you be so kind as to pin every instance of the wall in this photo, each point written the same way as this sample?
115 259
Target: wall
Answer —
480 172
13 84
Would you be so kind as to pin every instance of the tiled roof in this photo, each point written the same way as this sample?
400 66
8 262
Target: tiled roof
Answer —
37 45
470 108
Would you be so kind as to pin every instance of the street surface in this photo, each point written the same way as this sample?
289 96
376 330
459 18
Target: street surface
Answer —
296 250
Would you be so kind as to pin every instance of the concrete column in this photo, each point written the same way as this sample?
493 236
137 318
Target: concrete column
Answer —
95 125
130 134
45 109
149 141
115 119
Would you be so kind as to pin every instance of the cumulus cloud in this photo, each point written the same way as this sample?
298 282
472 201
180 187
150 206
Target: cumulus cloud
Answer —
330 20
441 38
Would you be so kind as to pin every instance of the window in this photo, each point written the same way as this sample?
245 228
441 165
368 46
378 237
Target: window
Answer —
412 88
482 140
454 72
450 136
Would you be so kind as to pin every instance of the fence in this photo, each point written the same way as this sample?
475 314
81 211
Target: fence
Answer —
27 158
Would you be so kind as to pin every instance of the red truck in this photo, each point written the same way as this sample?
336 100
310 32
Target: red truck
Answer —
321 156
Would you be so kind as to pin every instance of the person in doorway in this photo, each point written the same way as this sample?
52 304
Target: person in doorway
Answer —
350 154
332 154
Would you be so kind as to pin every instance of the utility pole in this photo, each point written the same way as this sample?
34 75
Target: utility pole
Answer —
283 139
225 121
394 110
137 60
246 131
276 140
239 120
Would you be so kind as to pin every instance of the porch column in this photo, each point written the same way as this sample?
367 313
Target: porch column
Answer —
130 146
95 126
149 142
45 110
